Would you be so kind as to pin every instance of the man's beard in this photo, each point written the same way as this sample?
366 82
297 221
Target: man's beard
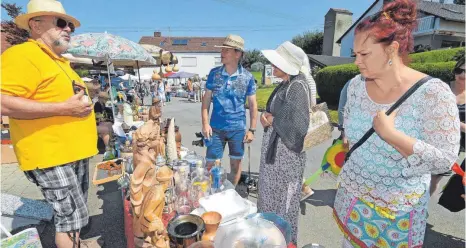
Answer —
59 43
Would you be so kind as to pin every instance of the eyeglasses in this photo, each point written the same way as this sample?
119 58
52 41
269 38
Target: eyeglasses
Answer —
61 23
458 70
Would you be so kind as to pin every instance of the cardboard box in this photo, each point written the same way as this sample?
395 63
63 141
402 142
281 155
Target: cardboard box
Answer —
8 155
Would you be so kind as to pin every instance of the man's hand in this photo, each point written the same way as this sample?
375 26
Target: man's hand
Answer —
249 137
76 107
207 131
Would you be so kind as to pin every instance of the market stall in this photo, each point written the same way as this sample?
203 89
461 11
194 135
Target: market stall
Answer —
172 200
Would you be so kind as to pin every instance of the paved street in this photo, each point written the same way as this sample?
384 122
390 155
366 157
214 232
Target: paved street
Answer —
444 229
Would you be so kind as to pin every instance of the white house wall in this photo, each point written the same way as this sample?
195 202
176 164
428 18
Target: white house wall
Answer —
457 27
204 63
348 40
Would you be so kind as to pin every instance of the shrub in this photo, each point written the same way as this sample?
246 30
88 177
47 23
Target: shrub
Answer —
442 70
330 80
444 55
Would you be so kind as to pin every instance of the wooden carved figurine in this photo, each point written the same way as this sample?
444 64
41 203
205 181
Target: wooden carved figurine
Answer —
148 183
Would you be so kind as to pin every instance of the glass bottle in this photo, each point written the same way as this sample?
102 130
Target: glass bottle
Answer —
202 180
218 177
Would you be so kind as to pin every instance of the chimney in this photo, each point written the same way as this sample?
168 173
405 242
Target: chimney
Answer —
157 34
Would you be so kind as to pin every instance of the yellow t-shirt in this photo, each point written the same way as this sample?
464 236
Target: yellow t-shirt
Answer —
30 70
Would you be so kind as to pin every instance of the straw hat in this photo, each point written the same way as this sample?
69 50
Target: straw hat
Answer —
41 8
287 57
233 41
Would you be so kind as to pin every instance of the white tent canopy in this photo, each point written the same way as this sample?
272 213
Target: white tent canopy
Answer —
129 77
86 79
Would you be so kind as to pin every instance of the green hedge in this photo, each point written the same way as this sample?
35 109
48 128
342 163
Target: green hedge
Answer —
442 70
444 55
331 79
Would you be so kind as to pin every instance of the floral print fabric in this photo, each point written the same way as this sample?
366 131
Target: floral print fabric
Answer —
376 172
379 189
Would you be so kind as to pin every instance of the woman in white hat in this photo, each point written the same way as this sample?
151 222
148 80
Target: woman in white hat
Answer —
285 123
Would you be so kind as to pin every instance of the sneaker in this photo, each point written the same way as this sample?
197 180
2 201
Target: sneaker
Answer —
306 192
90 243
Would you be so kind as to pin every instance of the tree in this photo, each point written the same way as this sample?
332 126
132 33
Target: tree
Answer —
461 2
311 42
252 56
14 34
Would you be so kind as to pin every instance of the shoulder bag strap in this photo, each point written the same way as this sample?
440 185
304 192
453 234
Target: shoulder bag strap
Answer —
389 111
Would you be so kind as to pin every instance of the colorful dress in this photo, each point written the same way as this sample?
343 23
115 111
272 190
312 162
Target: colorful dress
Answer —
382 197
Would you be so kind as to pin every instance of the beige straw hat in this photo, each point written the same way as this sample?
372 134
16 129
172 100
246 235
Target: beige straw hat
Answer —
42 8
233 41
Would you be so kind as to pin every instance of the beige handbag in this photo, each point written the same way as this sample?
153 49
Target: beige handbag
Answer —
320 129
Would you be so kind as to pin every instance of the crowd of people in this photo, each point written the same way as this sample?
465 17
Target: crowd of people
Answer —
394 161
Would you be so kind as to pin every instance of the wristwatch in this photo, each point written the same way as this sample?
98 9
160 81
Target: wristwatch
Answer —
252 130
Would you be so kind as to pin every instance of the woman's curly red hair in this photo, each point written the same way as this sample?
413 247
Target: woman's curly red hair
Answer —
395 22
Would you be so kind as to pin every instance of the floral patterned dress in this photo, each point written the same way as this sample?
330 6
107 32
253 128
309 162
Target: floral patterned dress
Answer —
279 189
382 197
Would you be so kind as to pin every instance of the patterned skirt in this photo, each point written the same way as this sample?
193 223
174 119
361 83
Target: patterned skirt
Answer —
364 226
279 189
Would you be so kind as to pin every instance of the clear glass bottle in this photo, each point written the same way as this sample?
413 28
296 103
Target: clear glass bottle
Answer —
202 180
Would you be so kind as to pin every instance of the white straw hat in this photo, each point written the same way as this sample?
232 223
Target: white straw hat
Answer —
41 8
233 41
287 57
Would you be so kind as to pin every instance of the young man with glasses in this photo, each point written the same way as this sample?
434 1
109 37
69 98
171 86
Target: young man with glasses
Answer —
53 127
228 87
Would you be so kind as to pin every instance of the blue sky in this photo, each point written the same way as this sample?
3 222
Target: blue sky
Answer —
264 24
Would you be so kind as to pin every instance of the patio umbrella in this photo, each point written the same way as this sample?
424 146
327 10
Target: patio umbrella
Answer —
110 48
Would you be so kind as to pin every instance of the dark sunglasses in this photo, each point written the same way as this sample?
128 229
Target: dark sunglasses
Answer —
62 23
458 70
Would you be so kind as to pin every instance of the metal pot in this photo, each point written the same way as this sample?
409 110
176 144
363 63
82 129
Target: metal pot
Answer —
185 230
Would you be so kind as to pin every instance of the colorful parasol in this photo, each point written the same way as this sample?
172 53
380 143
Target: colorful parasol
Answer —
105 46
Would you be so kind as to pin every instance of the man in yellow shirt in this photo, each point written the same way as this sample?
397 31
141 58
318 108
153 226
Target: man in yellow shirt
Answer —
52 122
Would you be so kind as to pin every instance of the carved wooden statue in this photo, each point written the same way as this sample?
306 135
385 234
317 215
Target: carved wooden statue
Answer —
148 183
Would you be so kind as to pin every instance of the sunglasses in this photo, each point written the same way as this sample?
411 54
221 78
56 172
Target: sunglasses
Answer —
458 70
62 23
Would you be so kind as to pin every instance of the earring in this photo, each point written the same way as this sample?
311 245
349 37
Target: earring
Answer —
390 62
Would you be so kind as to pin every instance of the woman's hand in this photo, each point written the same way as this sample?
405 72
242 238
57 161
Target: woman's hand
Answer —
263 118
269 118
384 125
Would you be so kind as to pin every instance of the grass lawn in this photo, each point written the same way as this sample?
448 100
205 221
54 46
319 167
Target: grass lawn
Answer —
257 75
263 94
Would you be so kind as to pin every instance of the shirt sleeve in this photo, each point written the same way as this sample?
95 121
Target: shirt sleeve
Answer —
210 81
438 148
342 103
251 87
20 77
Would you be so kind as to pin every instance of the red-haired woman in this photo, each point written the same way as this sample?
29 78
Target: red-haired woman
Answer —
383 188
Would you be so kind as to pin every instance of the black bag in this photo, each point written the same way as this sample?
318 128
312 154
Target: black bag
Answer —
451 196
